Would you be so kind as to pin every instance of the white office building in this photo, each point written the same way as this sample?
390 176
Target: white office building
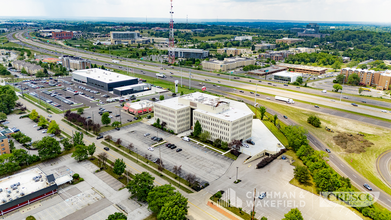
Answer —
286 76
223 118
242 38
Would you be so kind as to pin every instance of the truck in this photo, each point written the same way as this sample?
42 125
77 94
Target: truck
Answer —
115 61
161 75
287 100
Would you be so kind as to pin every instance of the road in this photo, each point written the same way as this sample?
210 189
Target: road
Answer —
383 165
340 165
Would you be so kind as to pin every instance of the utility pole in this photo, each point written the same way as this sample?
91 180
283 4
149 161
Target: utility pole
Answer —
189 80
237 173
253 214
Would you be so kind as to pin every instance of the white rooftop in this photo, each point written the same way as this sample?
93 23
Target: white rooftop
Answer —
263 138
27 184
286 73
139 105
122 88
103 75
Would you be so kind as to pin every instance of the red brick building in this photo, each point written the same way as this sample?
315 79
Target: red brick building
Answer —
63 35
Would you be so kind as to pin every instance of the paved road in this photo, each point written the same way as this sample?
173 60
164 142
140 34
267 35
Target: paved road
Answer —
383 165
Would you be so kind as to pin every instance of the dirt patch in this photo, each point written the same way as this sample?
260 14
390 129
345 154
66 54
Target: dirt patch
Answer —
351 143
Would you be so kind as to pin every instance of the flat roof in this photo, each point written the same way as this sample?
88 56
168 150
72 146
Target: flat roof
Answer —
316 68
26 184
263 138
190 50
139 105
122 88
286 73
103 75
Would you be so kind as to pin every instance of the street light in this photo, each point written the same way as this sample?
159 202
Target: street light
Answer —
237 173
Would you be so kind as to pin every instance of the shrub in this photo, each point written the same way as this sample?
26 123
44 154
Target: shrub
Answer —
76 176
268 160
30 217
314 121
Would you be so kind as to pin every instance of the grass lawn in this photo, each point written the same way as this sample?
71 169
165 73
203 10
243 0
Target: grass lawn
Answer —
109 170
151 217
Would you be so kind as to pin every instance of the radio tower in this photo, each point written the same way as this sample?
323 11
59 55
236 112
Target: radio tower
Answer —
171 52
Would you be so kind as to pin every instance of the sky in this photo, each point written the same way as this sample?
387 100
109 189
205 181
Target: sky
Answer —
371 11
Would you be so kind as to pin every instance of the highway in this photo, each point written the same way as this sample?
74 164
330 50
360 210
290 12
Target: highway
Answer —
383 165
341 166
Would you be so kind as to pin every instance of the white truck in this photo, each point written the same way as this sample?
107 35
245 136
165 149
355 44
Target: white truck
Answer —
287 100
161 75
115 61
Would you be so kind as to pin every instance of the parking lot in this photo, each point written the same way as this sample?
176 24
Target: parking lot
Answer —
115 109
206 164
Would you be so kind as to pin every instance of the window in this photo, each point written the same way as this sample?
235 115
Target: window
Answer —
2 148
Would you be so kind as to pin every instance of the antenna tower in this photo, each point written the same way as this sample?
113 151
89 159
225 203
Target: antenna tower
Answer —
171 52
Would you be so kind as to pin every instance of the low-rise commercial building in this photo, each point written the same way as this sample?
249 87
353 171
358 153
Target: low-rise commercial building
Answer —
227 64
224 119
289 40
267 71
191 53
126 90
303 50
286 76
304 69
139 108
30 68
380 79
77 34
276 55
63 35
233 51
242 38
264 47
120 37
159 40
75 63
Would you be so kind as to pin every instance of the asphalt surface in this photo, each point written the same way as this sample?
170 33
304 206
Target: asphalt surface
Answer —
383 166
340 165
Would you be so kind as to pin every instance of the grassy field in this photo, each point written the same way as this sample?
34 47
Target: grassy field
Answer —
151 217
214 37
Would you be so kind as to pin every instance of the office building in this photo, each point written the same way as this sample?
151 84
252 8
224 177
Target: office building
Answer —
267 71
128 37
304 69
303 50
30 68
77 34
224 119
227 64
264 47
276 55
103 79
139 108
4 144
232 52
191 53
288 41
296 30
159 40
242 38
63 35
126 90
312 30
286 76
380 79
75 63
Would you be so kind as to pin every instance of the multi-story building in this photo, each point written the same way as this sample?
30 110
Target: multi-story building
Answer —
191 53
242 38
276 55
303 50
129 37
304 69
312 30
379 79
233 51
227 63
288 41
4 144
77 34
224 119
30 68
63 35
265 47
75 63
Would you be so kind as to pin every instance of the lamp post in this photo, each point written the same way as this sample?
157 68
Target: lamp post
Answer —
237 173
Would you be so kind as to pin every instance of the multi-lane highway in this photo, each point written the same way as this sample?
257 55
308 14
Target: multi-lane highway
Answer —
340 165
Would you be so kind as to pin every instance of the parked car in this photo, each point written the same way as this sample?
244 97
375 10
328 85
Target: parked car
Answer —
146 134
117 115
99 137
106 148
117 128
178 150
246 145
262 195
250 142
44 131
186 139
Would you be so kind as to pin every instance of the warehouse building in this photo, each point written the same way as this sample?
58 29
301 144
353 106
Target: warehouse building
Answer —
304 69
126 90
223 118
103 79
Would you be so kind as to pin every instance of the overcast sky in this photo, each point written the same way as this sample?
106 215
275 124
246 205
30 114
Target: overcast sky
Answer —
299 10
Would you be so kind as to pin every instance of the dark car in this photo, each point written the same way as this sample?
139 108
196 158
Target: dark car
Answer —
257 94
159 139
99 137
328 150
117 128
241 91
173 146
252 92
250 142
269 83
130 120
40 128
168 145
285 84
316 106
260 81
178 150
135 118
106 148
285 117
364 101
354 104
117 115
367 187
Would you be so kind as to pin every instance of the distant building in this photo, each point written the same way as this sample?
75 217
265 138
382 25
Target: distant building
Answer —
303 50
131 89
380 79
30 68
63 35
233 51
242 38
75 63
265 47
139 108
159 40
227 64
296 30
312 30
346 59
289 40
286 76
198 30
267 71
276 55
118 37
191 53
77 34
304 69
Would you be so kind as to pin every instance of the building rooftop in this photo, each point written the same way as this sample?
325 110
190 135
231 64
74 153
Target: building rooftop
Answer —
103 75
360 70
302 66
123 88
190 50
286 73
26 184
139 105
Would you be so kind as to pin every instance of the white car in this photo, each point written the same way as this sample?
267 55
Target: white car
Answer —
385 111
44 131
49 116
150 148
110 116
34 126
245 145
186 139
267 98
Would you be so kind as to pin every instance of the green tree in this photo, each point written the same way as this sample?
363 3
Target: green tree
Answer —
217 143
362 66
66 144
181 93
33 114
336 65
23 71
105 119
161 97
53 128
3 116
119 167
78 138
360 90
197 129
354 79
327 180
159 196
116 124
43 122
224 145
315 121
275 119
262 110
263 218
141 185
340 78
204 136
48 148
302 174
80 153
296 136
7 99
80 111
91 149
299 80
337 87
20 156
117 216
175 208
293 214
